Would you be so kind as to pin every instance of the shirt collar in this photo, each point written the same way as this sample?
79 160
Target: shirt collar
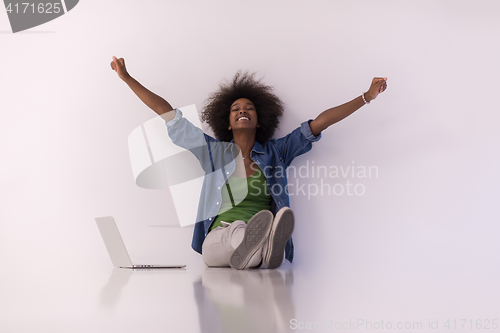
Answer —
257 147
227 147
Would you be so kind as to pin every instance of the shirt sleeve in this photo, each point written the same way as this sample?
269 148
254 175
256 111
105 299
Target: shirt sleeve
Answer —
296 143
186 135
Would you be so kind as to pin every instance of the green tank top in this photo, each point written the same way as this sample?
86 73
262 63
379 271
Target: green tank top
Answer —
257 199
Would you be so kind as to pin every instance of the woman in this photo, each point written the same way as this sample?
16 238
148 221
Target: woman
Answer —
255 229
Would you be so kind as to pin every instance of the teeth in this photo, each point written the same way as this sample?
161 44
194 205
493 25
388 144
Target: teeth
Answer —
243 118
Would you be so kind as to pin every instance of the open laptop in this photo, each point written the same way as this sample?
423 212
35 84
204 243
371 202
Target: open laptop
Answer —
116 248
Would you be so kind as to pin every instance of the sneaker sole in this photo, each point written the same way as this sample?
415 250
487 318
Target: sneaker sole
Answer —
256 233
278 239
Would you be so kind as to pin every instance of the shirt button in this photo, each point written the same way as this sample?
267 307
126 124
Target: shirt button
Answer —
217 203
227 173
218 187
210 219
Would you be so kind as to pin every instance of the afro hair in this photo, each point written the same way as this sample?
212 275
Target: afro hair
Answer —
268 106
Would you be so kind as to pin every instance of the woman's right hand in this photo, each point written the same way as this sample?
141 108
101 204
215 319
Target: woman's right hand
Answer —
118 65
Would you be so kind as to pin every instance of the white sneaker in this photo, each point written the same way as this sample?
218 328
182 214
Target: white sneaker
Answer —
256 233
281 231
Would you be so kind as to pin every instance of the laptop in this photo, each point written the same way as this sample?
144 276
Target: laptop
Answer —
116 248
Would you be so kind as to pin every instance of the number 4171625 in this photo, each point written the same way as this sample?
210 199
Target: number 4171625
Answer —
41 8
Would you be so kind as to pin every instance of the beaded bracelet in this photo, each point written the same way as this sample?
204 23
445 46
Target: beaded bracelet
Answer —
364 100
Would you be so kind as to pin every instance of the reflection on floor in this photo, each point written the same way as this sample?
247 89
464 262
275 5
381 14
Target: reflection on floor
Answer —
307 297
228 300
244 301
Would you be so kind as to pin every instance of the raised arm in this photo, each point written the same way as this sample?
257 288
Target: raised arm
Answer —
335 114
153 101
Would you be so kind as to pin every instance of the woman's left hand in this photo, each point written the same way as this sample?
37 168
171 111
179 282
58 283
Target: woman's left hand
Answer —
379 84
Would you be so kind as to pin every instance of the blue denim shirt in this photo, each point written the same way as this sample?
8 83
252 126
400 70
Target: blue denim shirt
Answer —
217 160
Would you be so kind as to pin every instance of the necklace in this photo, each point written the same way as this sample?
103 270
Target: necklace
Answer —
247 155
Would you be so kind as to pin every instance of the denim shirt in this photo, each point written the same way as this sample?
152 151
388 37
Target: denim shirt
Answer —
217 159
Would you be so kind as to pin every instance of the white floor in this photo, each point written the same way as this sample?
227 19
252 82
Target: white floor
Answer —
200 299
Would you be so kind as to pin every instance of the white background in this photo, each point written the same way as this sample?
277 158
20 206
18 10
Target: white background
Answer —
430 217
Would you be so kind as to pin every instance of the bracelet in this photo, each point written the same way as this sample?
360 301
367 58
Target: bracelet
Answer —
364 100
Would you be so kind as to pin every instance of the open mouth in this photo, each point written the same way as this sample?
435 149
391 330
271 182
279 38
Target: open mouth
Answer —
242 118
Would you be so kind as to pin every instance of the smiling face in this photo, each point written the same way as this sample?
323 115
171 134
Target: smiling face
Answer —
243 115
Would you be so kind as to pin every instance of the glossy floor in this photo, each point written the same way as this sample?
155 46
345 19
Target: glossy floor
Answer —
201 299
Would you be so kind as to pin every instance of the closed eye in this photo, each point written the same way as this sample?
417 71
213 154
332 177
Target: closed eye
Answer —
250 108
